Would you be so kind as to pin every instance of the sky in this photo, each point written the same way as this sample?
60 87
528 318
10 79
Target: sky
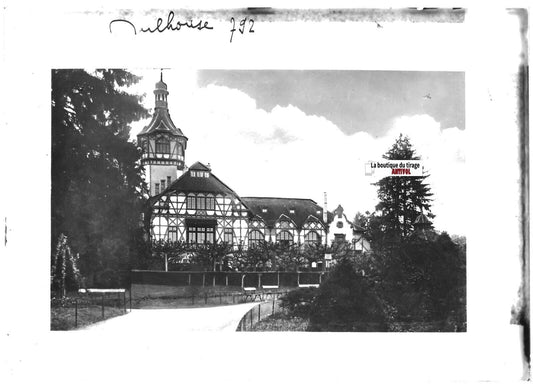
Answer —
299 133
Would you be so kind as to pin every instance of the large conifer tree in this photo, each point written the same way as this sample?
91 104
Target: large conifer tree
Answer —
96 178
402 199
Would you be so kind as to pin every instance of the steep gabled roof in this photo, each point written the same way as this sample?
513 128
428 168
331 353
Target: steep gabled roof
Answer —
198 166
187 183
275 207
162 122
340 211
422 220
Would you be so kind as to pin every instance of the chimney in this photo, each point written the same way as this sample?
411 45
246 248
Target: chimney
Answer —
325 210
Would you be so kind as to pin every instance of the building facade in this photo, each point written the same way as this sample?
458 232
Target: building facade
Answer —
192 205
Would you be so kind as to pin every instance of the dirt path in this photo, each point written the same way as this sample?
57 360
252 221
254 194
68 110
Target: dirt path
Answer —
219 318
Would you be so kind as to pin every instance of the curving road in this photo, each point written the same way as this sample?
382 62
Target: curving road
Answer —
219 319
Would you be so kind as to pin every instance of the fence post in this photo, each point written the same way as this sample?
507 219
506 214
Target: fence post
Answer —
76 315
234 298
130 298
103 305
189 280
124 299
226 280
273 303
259 314
203 279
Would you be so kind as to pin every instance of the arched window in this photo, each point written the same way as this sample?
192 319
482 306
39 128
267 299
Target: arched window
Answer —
200 202
210 202
191 202
312 238
162 145
180 150
284 237
255 237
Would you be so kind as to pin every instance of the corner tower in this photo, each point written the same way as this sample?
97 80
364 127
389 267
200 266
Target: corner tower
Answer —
163 145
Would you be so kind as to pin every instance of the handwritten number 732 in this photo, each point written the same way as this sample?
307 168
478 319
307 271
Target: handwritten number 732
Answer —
242 27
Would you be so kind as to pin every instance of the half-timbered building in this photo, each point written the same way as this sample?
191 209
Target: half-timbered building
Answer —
193 205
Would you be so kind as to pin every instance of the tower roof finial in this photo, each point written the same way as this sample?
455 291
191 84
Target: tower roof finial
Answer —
161 75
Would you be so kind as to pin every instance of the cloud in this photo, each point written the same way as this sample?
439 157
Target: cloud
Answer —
288 153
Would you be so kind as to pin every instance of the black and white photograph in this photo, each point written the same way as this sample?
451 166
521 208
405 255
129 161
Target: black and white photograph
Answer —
242 194
239 200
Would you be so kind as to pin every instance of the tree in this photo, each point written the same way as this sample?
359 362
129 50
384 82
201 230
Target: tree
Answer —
96 176
401 199
65 274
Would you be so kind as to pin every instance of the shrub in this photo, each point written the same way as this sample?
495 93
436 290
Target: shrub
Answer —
347 301
298 302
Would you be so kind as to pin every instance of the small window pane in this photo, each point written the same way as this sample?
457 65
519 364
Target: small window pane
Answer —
162 146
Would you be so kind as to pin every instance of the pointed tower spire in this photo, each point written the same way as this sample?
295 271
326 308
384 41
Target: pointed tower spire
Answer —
161 94
163 145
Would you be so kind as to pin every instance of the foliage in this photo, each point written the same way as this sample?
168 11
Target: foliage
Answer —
298 302
183 256
347 301
96 177
269 256
64 274
422 281
340 250
401 199
290 257
313 253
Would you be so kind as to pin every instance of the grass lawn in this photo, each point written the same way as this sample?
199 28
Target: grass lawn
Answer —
63 312
63 318
281 322
170 302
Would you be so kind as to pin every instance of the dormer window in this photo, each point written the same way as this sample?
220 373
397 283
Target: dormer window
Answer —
340 224
199 174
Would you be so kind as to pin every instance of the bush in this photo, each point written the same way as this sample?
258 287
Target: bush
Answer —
347 301
298 302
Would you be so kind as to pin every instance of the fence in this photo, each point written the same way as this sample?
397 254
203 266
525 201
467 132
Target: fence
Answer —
98 304
238 279
261 311
205 299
